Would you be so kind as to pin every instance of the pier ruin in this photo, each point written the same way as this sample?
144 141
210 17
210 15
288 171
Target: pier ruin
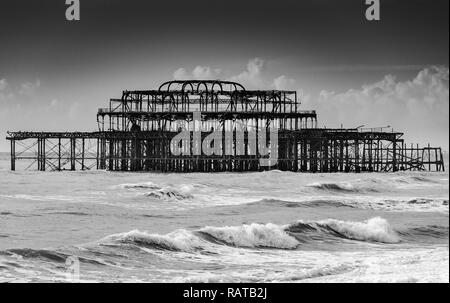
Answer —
136 132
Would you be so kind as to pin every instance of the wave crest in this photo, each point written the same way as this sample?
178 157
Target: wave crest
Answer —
253 235
256 235
178 240
169 194
375 229
142 185
340 187
39 254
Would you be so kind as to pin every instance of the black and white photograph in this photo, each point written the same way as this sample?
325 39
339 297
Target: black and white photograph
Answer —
201 143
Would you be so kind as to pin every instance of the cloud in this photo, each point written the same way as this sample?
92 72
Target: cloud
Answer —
199 72
363 68
3 84
181 74
13 96
284 83
23 106
257 77
420 106
6 95
254 76
204 72
54 102
74 110
29 89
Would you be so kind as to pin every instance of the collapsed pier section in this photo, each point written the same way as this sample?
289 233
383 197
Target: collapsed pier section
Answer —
309 150
136 132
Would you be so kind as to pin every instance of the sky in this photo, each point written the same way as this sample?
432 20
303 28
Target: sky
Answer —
54 74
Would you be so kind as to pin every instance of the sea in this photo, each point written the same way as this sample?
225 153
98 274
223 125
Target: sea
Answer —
101 226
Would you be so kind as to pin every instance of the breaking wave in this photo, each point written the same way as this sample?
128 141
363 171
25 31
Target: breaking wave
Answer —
209 240
413 179
253 235
437 204
256 235
142 185
42 254
179 240
426 232
376 229
136 250
375 184
248 236
373 230
339 187
169 194
303 204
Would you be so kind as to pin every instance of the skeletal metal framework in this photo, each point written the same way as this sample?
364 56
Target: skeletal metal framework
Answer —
136 132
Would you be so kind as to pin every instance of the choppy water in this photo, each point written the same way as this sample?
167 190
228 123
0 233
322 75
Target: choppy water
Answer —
252 227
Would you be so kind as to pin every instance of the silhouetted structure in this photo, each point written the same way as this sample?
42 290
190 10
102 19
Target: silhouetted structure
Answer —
136 131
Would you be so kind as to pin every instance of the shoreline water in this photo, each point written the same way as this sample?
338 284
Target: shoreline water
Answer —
253 227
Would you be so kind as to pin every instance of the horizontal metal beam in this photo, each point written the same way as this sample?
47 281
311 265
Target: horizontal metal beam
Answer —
183 115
